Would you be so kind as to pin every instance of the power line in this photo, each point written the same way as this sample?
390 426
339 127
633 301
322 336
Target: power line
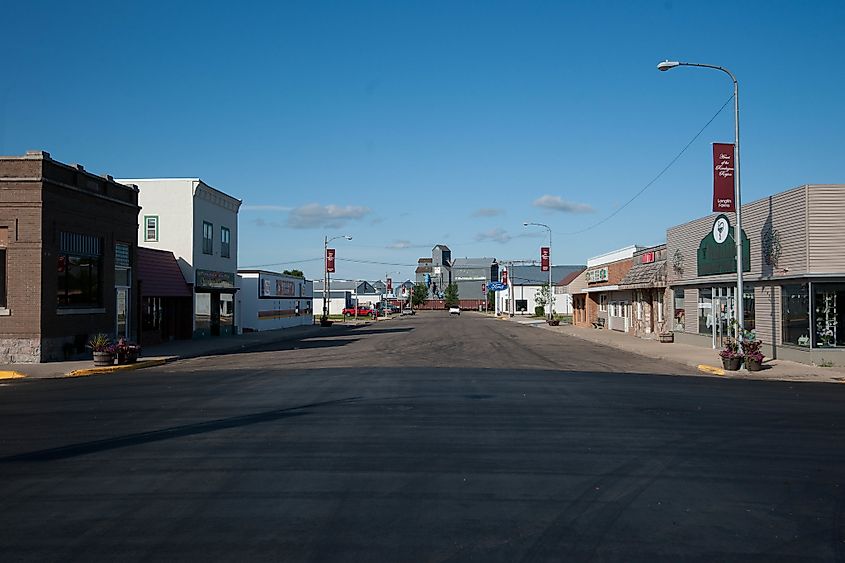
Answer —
282 263
375 262
667 167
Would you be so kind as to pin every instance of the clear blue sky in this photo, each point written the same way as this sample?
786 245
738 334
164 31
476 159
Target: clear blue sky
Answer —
408 124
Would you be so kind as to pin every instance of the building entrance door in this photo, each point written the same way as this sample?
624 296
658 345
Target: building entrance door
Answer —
215 313
122 312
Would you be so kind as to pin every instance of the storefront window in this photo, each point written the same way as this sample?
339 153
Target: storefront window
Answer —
602 302
227 309
680 313
705 311
796 314
202 315
78 281
152 313
828 305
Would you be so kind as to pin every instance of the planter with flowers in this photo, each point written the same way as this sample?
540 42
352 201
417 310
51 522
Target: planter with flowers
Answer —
751 351
731 355
102 350
126 352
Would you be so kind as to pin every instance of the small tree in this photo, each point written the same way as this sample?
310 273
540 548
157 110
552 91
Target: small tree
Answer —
419 295
543 296
491 300
451 295
295 273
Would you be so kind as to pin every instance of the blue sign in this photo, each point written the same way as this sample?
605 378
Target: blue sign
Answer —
496 286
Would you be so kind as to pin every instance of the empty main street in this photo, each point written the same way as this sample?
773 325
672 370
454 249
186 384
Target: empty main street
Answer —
425 438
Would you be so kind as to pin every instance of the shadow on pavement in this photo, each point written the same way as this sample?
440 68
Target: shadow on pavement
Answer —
129 440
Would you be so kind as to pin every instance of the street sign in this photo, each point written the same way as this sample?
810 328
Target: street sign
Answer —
496 286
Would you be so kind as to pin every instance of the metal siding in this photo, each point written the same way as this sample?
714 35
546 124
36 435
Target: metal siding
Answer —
766 309
787 213
827 236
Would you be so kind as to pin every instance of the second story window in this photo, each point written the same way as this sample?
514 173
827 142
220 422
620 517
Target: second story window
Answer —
207 238
150 228
225 237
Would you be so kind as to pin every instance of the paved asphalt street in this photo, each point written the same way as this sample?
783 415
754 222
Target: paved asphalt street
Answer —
429 438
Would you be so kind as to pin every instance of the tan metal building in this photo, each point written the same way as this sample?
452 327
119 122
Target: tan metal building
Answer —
794 274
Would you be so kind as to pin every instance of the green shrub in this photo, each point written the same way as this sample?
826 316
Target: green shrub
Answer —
539 311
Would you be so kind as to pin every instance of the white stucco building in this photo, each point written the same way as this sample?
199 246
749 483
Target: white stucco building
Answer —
269 300
528 281
199 224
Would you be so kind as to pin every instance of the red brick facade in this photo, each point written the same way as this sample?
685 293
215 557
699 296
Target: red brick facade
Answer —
586 305
39 200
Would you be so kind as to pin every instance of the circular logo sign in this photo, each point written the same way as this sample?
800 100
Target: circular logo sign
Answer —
720 230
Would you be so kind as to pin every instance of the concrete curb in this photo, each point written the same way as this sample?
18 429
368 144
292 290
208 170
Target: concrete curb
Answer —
123 367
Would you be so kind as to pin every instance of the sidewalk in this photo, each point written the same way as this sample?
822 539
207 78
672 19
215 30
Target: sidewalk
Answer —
168 352
704 359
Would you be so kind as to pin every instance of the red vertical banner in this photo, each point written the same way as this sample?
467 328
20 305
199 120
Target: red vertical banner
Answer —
505 277
390 285
723 177
330 260
544 259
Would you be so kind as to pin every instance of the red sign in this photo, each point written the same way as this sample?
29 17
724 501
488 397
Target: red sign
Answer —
505 277
648 257
330 260
484 288
390 285
723 177
544 259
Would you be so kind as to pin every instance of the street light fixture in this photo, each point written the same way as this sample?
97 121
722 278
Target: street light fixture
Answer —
738 299
551 290
326 279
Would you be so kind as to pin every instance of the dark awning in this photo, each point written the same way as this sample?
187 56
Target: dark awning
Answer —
160 275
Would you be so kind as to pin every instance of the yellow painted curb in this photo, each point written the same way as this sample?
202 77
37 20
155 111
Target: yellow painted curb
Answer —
711 369
10 375
111 369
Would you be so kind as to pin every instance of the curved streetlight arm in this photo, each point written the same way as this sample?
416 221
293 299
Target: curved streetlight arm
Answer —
551 289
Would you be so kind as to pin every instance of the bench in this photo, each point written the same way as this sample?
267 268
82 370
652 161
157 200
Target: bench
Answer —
599 323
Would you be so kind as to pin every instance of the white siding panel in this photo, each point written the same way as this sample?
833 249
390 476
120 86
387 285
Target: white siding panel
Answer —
827 229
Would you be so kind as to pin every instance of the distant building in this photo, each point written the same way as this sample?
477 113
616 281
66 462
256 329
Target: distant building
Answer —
527 281
270 300
472 275
356 291
68 242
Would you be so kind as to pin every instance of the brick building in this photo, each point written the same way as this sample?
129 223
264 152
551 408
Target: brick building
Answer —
68 241
603 302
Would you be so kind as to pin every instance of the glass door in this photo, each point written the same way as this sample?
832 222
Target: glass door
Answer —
122 312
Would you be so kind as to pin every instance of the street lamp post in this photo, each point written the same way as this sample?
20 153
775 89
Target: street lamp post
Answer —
326 279
551 294
740 313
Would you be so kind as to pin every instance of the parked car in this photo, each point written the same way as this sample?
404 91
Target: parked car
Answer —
387 309
454 310
360 311
408 311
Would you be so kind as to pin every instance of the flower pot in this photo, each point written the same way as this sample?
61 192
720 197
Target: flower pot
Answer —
554 322
753 365
731 364
102 359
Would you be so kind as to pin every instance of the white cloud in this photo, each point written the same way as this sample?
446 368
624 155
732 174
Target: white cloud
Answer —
556 203
488 212
497 235
265 208
314 215
399 244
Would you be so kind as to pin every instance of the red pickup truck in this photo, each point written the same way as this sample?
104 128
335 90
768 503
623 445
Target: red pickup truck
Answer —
362 311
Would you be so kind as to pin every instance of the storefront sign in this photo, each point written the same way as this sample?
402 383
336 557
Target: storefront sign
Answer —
330 260
597 275
648 257
277 288
717 251
544 259
215 280
723 177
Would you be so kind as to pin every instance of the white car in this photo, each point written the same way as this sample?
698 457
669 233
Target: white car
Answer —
454 310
